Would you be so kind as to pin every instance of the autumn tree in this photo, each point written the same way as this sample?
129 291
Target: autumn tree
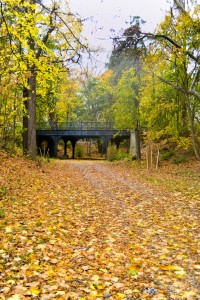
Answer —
127 62
176 65
43 39
174 49
173 60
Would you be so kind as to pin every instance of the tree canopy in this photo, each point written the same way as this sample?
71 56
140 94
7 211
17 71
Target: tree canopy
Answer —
151 82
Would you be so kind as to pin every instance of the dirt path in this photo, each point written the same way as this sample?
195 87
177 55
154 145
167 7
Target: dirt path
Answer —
95 230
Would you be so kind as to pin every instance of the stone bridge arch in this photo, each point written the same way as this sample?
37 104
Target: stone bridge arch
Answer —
74 131
46 145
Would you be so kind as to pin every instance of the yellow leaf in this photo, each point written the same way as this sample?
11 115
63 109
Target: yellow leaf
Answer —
60 293
34 291
9 229
162 257
171 268
95 278
136 291
189 294
197 267
120 295
115 279
29 273
15 297
92 287
180 273
12 282
100 287
50 273
103 270
68 278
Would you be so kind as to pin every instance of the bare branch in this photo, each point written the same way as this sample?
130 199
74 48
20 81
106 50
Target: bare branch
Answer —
72 33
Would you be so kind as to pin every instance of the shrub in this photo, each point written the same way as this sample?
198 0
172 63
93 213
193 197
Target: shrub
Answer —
166 155
178 159
121 156
111 152
79 151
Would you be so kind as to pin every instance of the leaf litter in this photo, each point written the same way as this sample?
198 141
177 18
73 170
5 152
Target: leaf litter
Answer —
96 230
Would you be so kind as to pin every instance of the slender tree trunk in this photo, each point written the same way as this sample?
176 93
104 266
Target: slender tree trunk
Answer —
14 124
194 142
32 116
137 142
25 121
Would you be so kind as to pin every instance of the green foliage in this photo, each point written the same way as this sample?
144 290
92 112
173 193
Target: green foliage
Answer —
79 151
98 99
111 152
179 159
114 155
126 109
165 155
122 156
2 192
2 213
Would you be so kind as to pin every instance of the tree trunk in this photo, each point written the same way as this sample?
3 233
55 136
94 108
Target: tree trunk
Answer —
14 125
25 121
137 142
32 116
194 142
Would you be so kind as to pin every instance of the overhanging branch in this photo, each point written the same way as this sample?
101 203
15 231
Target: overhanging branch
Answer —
180 88
173 42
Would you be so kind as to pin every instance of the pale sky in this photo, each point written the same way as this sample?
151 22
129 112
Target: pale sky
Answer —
112 14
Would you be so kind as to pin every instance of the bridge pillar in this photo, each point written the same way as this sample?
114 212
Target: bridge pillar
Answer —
106 140
55 147
132 143
73 142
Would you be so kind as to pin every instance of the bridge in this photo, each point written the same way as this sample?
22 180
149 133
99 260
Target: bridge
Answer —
48 135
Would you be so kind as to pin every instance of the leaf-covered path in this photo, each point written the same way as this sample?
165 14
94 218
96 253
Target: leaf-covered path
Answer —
96 230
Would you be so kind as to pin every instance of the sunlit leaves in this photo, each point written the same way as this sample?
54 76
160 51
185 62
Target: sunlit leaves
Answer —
37 42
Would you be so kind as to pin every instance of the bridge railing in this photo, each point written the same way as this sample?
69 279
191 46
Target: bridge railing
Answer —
75 126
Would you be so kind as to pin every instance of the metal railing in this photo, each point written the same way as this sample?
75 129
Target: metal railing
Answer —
76 126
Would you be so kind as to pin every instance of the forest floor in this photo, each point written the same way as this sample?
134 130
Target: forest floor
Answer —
76 229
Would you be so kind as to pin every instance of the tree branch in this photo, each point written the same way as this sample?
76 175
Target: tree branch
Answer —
180 6
196 78
179 88
174 43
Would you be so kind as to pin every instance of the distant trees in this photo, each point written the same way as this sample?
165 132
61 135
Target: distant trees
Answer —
97 98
